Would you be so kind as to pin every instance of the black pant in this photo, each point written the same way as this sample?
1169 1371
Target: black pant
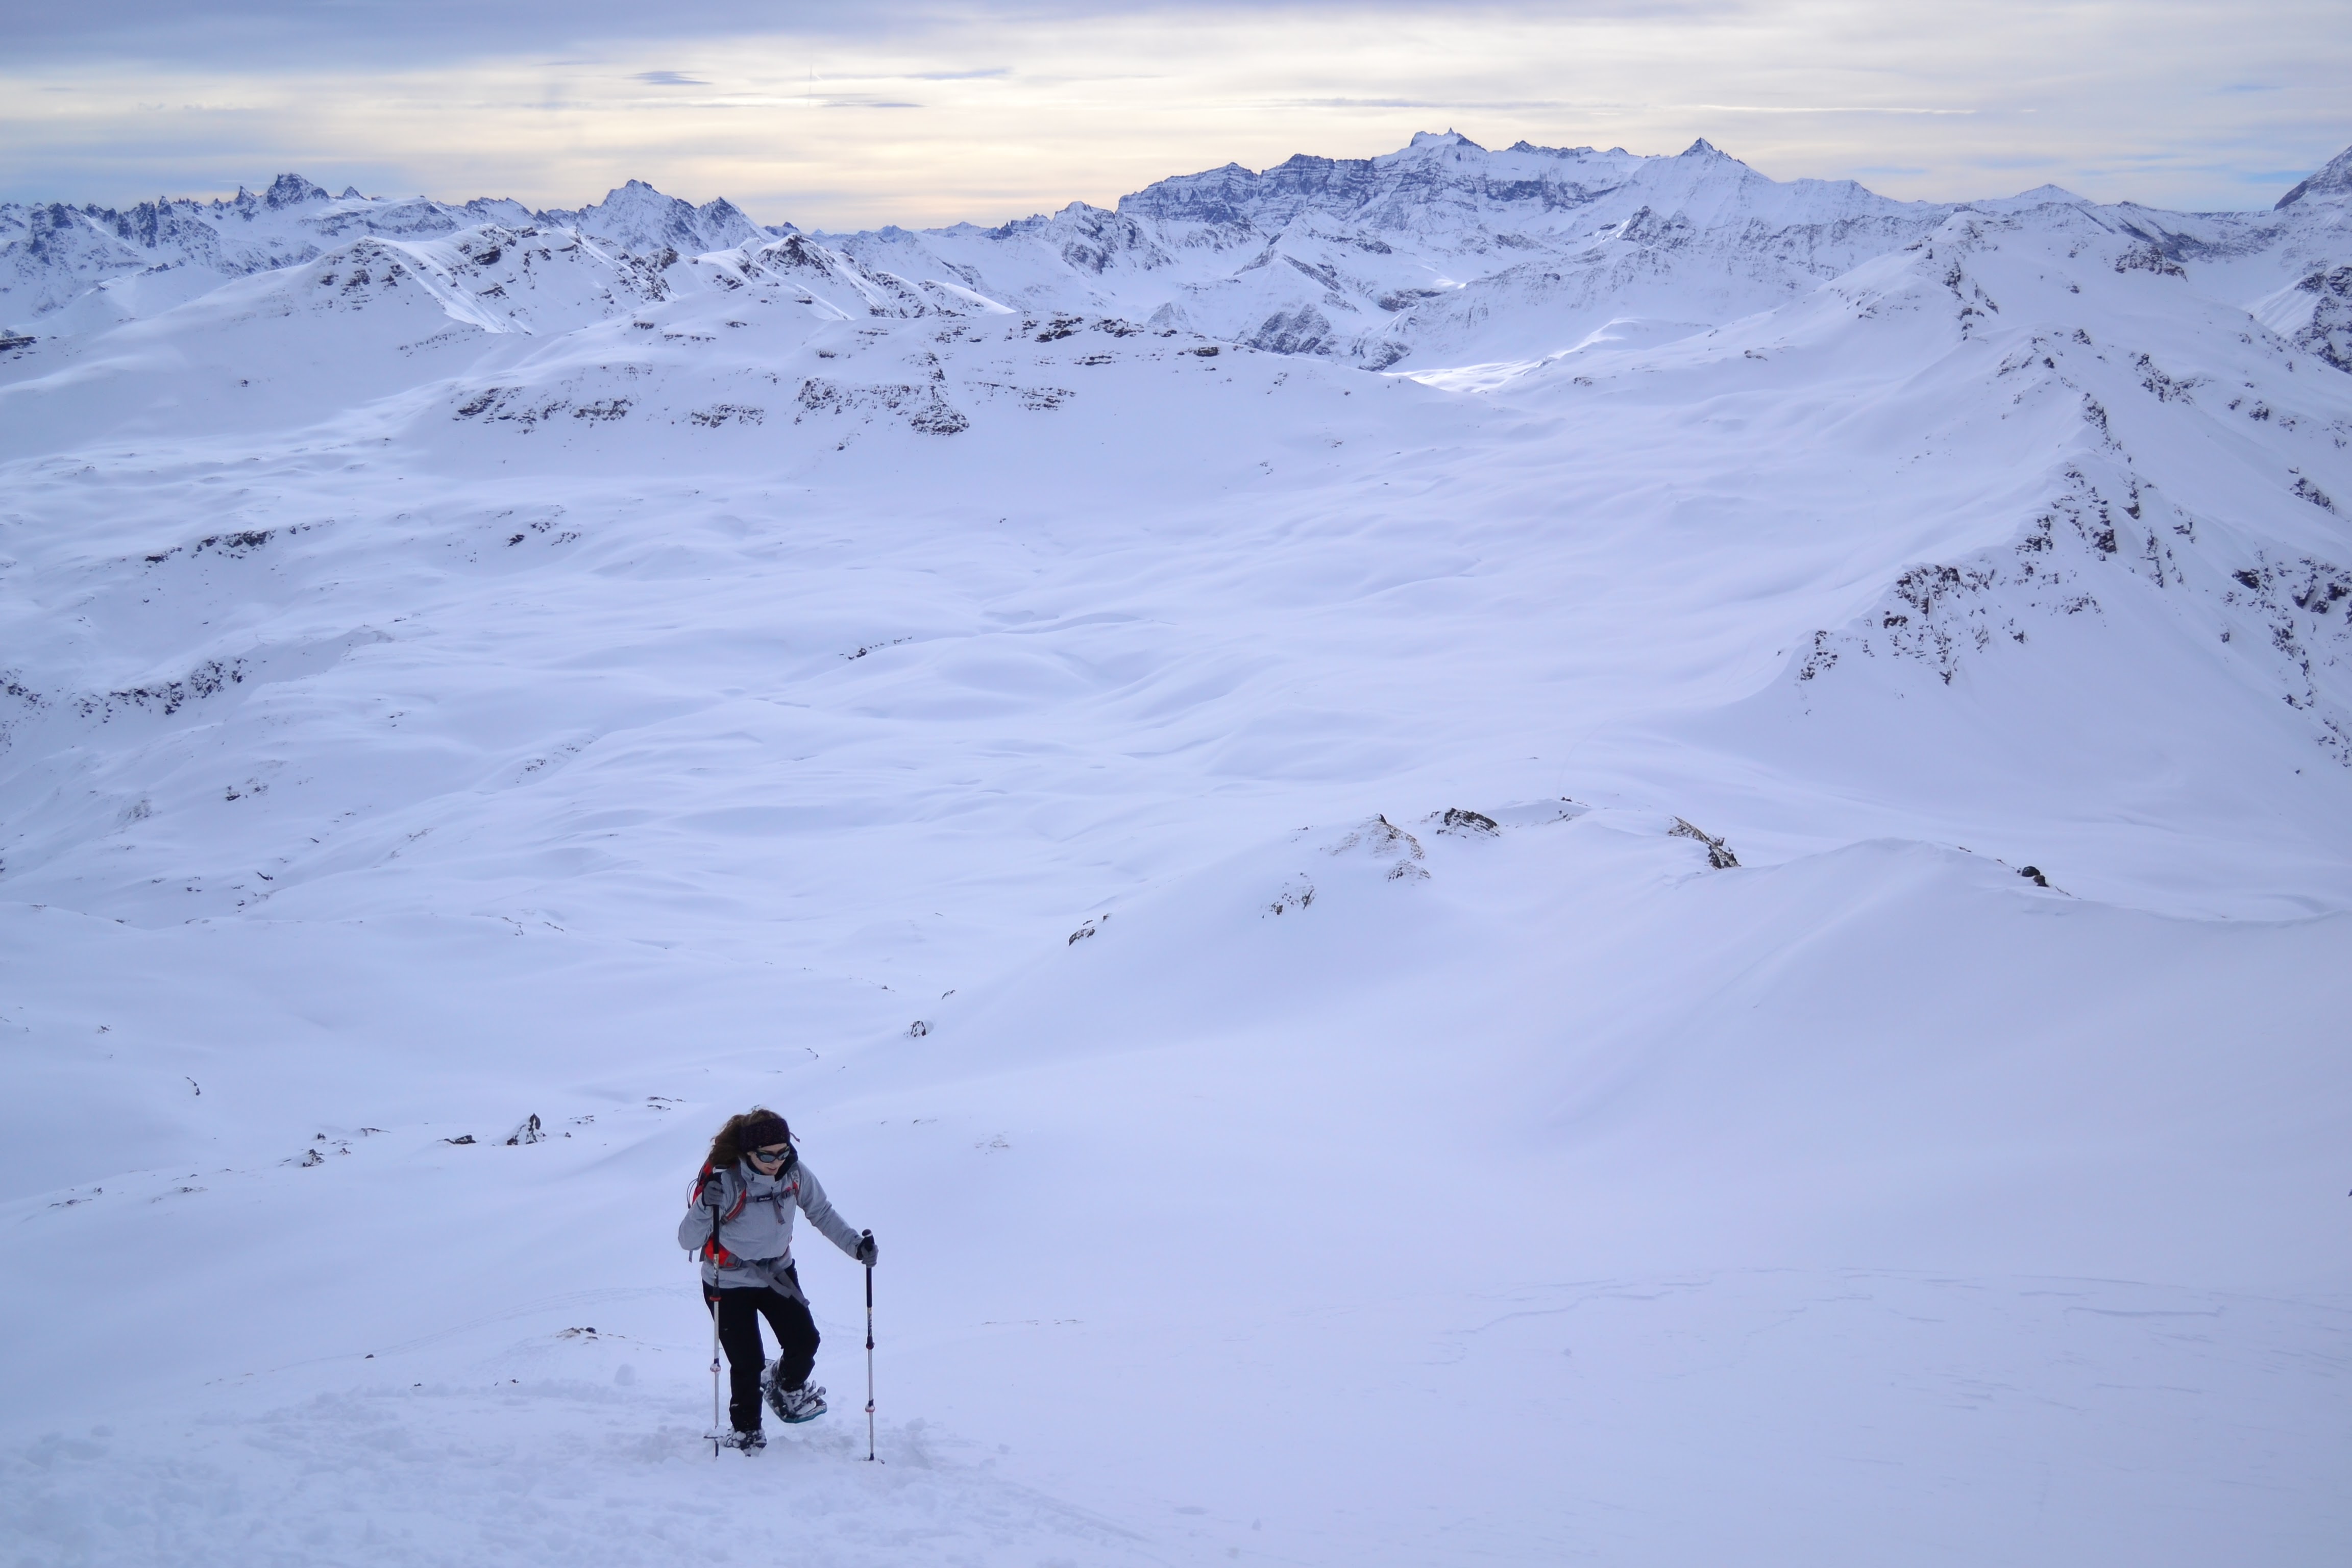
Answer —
740 1312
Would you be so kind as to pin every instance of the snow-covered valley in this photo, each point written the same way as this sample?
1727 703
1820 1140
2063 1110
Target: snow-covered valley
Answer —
1512 857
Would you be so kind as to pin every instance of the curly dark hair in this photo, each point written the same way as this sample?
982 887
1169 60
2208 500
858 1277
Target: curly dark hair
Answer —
754 1127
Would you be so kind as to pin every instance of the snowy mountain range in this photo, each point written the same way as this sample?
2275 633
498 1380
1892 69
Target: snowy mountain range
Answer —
55 253
1585 829
1440 249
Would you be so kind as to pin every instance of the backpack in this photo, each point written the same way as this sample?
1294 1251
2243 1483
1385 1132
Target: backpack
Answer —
711 1251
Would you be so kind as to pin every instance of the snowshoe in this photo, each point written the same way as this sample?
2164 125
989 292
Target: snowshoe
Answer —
749 1442
791 1404
794 1405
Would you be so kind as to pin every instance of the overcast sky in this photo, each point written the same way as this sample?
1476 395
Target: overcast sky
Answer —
855 114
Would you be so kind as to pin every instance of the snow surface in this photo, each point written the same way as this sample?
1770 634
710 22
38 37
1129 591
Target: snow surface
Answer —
1413 931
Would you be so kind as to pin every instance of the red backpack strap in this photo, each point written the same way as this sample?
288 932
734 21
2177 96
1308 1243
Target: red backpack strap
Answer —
710 1249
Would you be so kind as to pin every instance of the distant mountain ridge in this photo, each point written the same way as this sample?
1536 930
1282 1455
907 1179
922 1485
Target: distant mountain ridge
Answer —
1442 252
1449 174
54 252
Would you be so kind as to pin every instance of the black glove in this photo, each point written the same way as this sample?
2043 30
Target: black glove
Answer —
866 1252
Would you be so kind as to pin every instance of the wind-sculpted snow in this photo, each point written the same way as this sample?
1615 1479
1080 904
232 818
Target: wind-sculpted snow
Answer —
1730 881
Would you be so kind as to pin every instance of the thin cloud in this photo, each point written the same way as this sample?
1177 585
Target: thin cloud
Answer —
668 78
1413 103
957 76
1813 109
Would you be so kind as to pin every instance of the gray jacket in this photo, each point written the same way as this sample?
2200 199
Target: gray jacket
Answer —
755 1228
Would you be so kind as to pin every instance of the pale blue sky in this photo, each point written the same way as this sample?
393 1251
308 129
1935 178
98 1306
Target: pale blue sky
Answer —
849 115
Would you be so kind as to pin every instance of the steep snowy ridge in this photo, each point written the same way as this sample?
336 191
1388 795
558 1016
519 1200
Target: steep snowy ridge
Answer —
2134 492
2119 412
2334 180
2150 474
1565 857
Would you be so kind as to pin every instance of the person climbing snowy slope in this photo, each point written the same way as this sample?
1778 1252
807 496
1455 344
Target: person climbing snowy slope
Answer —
739 1220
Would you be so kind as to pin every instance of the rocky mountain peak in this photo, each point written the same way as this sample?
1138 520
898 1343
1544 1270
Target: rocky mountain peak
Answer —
292 190
642 220
2334 180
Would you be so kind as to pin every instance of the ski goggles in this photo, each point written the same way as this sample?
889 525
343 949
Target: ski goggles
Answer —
769 1156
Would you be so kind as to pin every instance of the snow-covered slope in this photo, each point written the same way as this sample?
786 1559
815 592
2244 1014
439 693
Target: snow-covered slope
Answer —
1703 921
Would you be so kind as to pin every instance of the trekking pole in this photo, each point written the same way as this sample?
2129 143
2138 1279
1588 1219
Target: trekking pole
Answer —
869 1357
710 1300
714 1367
